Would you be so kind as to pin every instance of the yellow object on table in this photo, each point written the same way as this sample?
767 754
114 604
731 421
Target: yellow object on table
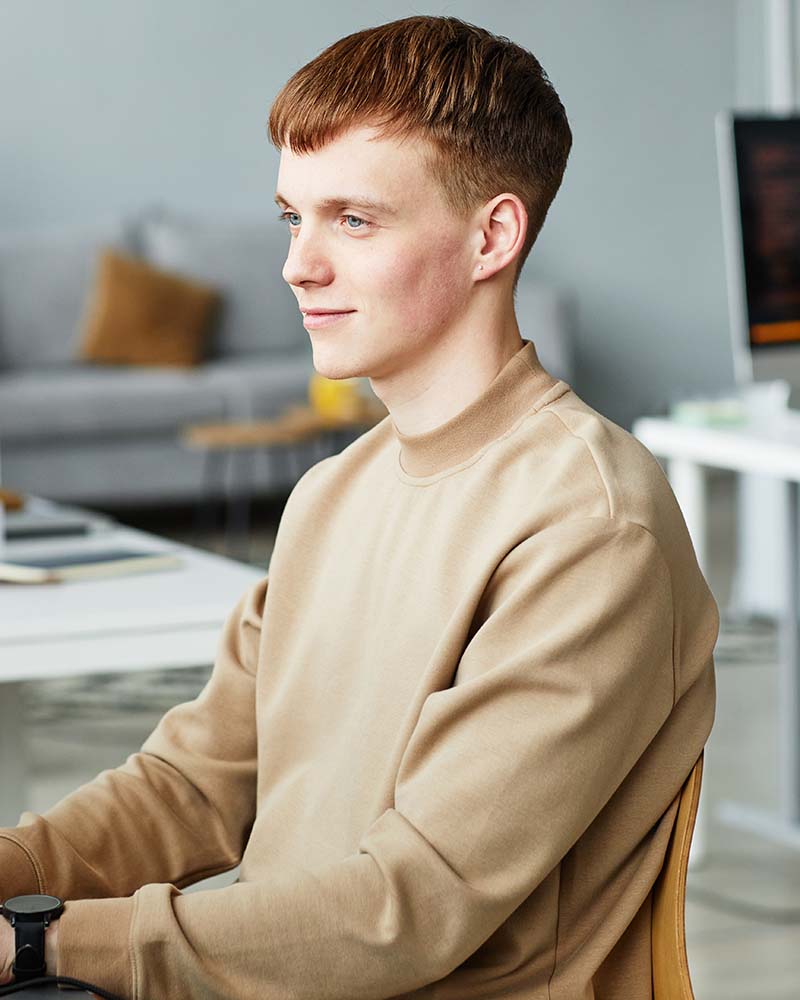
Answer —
340 398
11 500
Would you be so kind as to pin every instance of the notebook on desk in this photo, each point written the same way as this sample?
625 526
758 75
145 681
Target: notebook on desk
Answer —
38 518
85 564
29 524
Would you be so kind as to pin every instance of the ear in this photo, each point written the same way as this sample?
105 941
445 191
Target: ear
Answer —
504 223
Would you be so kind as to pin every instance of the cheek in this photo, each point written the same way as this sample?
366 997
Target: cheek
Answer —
426 282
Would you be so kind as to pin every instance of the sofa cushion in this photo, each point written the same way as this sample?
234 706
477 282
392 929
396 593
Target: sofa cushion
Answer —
244 261
140 315
100 402
96 402
45 278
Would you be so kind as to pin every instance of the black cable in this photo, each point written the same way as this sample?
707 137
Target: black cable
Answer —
57 981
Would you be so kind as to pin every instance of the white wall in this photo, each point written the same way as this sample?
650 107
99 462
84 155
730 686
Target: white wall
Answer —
113 106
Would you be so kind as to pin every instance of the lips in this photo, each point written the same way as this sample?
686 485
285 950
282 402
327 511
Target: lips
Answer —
325 312
315 319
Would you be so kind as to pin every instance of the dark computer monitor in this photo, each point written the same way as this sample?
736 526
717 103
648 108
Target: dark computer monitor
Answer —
759 169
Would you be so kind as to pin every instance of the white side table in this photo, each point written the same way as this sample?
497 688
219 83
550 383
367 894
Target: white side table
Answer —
770 449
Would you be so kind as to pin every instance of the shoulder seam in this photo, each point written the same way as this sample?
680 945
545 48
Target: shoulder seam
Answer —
588 448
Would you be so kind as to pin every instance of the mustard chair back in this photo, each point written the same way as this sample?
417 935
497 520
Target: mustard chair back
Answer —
671 980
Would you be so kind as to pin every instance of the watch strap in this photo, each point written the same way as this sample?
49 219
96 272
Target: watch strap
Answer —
29 950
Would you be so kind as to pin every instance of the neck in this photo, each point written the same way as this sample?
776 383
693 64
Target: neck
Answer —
449 373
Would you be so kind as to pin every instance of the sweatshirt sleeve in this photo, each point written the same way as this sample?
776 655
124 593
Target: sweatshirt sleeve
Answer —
177 811
565 680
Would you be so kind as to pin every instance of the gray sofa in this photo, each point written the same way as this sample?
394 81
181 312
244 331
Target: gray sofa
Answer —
109 435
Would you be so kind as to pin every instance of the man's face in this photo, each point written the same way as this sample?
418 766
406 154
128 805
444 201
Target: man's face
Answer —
375 246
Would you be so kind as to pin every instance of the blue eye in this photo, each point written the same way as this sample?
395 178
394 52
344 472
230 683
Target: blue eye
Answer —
360 223
291 217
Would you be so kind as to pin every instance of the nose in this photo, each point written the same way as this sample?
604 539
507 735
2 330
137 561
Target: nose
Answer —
307 263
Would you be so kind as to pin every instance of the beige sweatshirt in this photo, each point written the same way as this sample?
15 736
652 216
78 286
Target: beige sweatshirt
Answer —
442 738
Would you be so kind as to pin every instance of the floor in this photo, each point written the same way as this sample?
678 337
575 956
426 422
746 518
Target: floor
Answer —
743 902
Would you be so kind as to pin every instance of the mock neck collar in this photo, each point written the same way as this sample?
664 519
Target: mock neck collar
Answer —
517 389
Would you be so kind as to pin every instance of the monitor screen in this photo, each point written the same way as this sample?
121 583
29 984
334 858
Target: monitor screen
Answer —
767 166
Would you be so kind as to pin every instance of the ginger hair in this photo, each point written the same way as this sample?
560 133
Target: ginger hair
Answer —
492 118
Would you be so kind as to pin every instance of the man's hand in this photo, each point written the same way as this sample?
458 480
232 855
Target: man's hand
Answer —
7 943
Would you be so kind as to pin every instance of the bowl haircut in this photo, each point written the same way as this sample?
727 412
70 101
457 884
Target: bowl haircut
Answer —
493 121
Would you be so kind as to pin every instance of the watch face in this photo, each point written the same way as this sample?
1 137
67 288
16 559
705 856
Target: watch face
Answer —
31 905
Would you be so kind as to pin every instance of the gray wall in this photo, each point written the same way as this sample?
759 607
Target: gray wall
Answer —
110 107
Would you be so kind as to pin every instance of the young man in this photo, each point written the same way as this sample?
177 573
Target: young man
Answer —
443 738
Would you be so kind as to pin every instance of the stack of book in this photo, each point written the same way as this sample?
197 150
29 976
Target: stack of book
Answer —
49 543
84 564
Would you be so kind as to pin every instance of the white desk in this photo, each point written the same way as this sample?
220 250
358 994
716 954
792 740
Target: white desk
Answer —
770 449
169 618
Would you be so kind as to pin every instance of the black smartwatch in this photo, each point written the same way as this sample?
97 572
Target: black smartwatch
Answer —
29 916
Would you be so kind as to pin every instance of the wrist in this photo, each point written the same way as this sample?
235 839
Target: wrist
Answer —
32 916
51 948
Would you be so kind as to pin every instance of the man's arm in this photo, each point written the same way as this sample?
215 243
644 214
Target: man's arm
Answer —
566 681
177 811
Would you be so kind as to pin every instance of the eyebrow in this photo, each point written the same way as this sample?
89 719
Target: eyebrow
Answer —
357 201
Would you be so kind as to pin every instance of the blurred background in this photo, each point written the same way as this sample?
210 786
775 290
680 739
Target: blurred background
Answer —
136 167
111 109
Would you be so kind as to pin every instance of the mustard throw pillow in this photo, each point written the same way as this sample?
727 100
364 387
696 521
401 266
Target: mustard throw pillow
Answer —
139 315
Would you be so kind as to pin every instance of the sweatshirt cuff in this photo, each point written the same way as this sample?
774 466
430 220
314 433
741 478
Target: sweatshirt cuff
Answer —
93 943
20 873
